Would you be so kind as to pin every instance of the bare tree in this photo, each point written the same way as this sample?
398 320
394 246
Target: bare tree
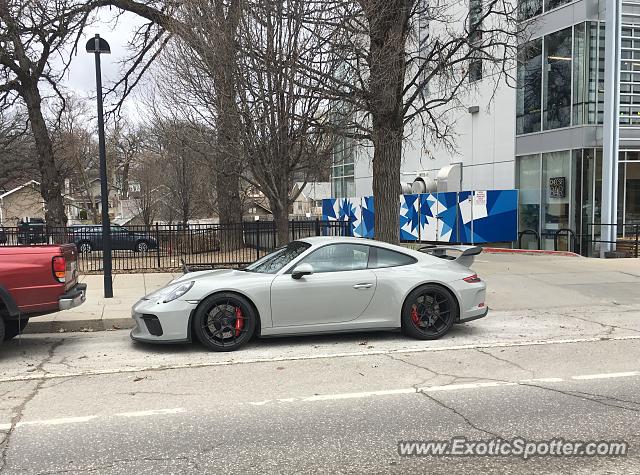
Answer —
17 155
32 34
76 153
209 28
280 104
407 62
147 173
124 144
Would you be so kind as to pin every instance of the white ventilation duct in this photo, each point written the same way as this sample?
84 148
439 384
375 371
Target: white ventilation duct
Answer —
423 183
449 178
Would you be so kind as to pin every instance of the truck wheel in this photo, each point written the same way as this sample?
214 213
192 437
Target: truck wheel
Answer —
142 246
14 327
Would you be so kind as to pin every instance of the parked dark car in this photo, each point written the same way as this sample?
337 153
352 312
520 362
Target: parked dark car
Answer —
89 238
33 231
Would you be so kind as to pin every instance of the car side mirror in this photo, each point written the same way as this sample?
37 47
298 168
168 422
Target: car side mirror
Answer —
302 270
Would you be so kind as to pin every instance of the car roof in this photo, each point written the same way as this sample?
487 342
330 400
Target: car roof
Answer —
320 240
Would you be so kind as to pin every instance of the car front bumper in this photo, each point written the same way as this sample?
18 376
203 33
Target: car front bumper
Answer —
73 298
162 322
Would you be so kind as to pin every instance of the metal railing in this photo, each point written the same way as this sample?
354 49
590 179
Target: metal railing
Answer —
627 239
167 247
532 232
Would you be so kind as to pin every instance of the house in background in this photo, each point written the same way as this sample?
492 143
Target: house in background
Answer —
22 201
309 201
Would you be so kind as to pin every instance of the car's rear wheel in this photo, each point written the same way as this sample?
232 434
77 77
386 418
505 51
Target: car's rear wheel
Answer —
85 247
142 246
429 312
225 322
14 327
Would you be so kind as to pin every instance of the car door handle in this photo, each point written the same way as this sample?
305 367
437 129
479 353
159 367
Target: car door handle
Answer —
362 286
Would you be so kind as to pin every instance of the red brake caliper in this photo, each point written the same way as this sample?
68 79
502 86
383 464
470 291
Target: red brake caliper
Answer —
414 315
239 321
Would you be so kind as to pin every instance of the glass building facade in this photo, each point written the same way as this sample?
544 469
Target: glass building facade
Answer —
560 87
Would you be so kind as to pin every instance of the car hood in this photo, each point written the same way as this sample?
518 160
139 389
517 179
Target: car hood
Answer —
212 274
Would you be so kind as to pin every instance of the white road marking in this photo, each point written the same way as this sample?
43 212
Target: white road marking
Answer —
628 374
505 344
333 397
155 412
457 387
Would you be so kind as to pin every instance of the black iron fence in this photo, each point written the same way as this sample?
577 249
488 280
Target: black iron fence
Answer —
167 247
590 243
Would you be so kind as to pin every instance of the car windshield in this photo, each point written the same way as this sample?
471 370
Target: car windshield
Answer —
272 263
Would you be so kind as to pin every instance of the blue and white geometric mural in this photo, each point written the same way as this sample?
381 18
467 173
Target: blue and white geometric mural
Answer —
470 217
409 217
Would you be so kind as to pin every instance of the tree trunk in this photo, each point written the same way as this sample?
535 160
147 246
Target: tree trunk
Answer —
388 22
51 185
387 159
281 218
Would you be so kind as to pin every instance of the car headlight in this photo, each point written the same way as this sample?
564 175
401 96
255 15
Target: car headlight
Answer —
171 292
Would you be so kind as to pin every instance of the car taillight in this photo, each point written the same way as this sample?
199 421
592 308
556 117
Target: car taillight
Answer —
472 279
60 268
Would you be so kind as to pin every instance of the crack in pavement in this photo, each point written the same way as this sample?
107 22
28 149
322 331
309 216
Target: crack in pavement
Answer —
454 377
504 360
18 411
585 396
610 328
458 413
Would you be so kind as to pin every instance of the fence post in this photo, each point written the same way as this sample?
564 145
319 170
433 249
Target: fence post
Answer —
257 223
637 230
317 226
158 245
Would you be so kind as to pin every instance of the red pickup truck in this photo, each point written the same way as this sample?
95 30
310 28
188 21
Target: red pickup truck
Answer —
36 280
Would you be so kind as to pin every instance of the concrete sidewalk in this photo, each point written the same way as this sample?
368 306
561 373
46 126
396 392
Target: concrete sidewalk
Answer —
516 282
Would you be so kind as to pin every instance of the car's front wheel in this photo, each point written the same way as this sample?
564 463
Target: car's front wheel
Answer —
429 312
224 322
14 327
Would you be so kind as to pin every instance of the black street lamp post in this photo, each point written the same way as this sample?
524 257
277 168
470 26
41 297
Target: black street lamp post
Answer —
100 46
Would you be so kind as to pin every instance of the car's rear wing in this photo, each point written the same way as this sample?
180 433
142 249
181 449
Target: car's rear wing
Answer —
464 255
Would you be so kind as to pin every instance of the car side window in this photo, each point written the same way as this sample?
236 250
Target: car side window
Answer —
380 258
338 257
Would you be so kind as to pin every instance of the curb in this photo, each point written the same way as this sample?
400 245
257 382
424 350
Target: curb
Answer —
70 326
530 252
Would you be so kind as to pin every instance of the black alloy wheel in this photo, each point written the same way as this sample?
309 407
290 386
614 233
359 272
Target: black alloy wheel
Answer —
224 322
429 312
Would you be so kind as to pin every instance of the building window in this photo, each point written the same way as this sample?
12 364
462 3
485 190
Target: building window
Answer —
529 92
475 70
529 8
630 76
342 169
551 4
585 73
557 79
475 37
528 183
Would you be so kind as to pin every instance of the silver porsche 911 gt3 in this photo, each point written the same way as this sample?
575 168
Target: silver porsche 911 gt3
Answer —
318 285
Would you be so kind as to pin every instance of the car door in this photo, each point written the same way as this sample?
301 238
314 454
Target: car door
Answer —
339 290
120 239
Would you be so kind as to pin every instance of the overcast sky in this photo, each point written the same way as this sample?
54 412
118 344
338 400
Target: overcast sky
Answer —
81 76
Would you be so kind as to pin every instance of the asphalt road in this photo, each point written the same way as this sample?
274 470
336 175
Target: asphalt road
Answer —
97 403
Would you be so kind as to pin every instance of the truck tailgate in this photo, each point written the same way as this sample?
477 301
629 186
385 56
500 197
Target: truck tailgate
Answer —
70 254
